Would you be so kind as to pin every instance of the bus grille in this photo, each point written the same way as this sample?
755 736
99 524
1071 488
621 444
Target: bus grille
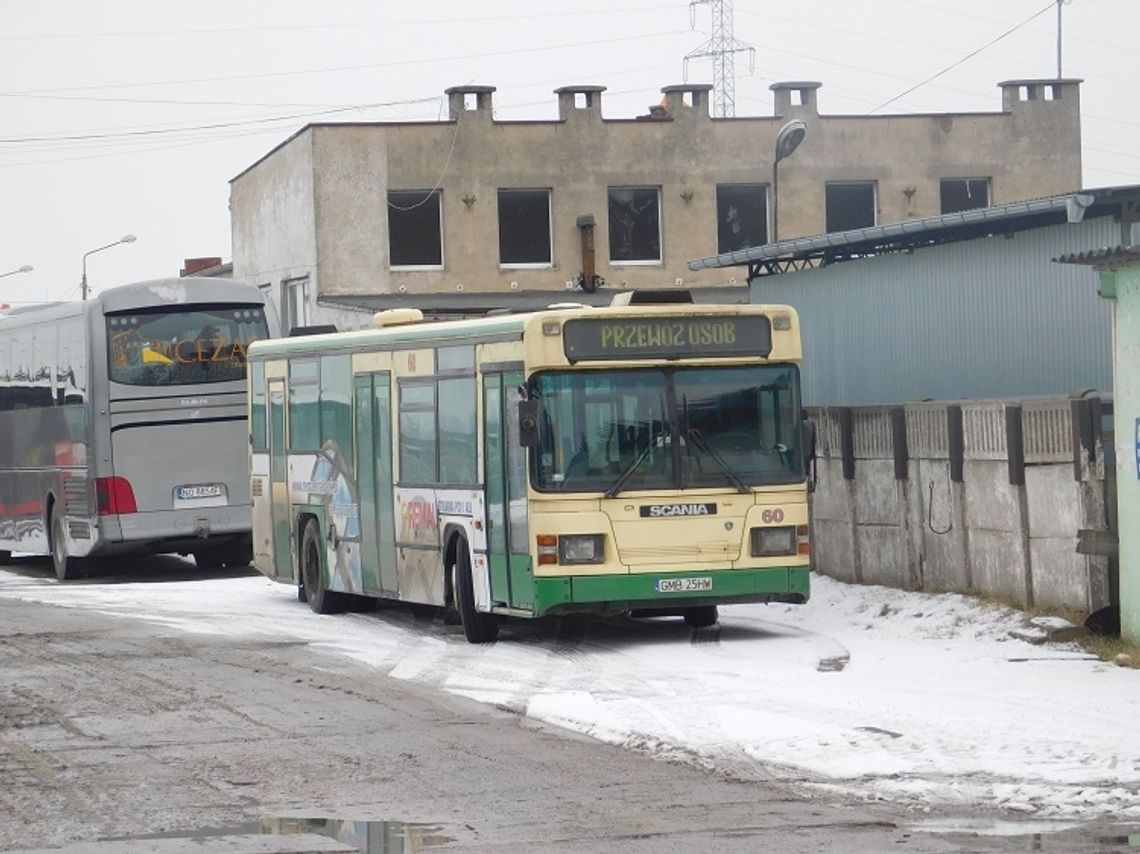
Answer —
75 496
674 554
78 530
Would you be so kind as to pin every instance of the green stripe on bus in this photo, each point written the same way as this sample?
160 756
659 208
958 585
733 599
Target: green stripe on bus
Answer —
639 591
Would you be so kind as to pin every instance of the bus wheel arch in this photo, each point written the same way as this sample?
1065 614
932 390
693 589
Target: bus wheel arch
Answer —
452 536
478 626
311 568
66 566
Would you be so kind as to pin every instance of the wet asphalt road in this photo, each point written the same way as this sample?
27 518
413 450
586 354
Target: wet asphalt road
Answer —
121 736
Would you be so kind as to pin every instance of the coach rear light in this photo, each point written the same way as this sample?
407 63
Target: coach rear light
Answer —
767 542
581 548
114 496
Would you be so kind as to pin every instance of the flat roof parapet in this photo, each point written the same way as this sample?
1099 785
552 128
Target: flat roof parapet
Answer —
579 99
795 96
1015 92
687 99
457 102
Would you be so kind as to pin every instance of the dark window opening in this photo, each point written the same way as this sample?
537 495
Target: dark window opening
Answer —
414 229
964 194
850 206
635 224
742 216
524 227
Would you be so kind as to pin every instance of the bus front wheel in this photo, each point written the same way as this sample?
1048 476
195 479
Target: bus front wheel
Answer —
66 567
5 557
478 627
321 599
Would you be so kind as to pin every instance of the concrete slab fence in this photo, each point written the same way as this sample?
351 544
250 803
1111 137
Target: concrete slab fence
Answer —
984 497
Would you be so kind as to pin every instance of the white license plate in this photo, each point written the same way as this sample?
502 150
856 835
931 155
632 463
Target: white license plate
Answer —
683 585
211 491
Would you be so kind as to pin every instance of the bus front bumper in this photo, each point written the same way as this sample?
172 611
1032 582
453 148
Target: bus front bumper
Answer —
617 593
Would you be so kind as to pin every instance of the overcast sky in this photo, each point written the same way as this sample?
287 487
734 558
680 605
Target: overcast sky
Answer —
131 116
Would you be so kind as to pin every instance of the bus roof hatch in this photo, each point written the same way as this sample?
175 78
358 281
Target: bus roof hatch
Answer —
396 317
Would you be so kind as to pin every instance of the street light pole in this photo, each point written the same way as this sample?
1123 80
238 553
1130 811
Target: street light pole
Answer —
27 268
126 238
789 137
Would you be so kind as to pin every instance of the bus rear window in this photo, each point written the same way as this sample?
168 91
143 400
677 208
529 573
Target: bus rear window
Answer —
183 346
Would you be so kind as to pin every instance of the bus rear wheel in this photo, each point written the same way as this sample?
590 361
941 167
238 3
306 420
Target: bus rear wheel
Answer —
320 599
700 616
66 567
478 627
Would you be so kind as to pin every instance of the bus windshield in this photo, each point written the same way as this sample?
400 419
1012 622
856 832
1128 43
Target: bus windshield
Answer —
668 428
188 345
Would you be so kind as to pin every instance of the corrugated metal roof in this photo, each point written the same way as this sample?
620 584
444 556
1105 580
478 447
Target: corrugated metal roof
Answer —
1109 258
910 234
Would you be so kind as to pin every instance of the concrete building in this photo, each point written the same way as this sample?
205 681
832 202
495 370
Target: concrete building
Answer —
468 214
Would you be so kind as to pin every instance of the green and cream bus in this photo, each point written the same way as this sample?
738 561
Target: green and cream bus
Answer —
643 457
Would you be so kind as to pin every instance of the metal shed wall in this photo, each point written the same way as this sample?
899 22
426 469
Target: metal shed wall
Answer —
987 318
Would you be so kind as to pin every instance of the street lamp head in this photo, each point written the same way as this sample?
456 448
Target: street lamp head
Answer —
128 238
789 137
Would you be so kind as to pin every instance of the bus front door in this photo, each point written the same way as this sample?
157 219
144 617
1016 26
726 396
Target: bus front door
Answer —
373 414
512 580
279 483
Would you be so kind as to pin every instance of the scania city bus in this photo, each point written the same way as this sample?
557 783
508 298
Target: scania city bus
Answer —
642 457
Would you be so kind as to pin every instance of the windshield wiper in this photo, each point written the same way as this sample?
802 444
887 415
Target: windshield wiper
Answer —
628 471
695 436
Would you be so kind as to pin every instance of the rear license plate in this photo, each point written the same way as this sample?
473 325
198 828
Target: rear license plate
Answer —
211 491
683 585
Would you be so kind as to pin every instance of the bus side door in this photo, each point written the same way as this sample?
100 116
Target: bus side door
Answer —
505 479
279 483
373 414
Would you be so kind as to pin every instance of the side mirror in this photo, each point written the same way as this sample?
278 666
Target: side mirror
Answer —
808 431
528 423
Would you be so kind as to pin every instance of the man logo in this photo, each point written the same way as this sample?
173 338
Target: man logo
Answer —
658 511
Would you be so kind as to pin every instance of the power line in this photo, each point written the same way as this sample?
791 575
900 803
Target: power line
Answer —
609 11
965 58
339 69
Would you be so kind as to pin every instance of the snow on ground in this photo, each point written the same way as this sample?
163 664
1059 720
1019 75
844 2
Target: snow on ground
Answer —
920 699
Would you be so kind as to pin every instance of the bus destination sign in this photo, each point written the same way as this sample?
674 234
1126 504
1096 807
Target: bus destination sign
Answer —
594 339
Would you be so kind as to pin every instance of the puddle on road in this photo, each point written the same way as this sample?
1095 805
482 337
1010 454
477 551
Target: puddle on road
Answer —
1054 836
390 837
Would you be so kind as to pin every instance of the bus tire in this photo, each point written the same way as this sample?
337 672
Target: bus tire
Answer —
5 557
66 567
701 616
478 627
208 559
321 600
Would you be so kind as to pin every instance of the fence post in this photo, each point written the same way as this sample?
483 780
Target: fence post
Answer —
1015 456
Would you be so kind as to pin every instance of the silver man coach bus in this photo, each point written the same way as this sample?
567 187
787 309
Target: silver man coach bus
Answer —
123 423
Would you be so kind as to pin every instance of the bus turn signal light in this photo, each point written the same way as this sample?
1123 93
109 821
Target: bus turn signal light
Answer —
114 496
547 548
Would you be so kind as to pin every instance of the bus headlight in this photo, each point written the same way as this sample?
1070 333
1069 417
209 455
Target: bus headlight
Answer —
774 541
581 548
